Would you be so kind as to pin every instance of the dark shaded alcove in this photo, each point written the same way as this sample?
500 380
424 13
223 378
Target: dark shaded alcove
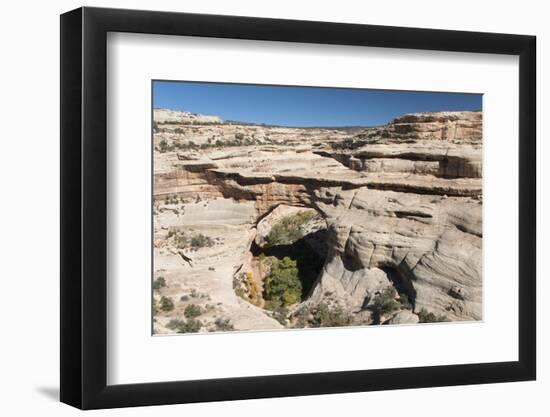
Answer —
309 252
402 284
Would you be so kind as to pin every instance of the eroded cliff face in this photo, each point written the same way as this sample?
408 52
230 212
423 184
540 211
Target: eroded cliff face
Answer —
402 206
462 127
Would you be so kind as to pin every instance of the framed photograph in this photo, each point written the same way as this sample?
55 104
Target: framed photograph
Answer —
256 208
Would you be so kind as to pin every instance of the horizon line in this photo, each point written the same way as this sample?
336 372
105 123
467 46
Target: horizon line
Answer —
242 122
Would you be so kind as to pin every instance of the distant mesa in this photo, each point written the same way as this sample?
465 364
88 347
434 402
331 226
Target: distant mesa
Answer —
184 117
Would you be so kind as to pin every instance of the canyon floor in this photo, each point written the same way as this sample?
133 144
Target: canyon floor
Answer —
264 227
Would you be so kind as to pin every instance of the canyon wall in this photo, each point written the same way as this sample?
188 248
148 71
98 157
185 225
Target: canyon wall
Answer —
402 204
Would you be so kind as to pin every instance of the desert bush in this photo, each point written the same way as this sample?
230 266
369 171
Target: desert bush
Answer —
178 131
345 144
192 311
278 311
424 316
301 318
323 316
159 283
282 284
165 147
239 136
174 324
166 304
190 326
182 326
404 300
224 325
281 234
181 240
201 241
385 302
171 199
288 230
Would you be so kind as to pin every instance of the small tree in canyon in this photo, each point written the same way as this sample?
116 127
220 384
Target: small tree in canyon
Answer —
282 284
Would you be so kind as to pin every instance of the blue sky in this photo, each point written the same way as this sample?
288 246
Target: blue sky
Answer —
303 106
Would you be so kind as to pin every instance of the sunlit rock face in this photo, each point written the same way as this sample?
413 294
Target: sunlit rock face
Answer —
401 204
432 244
465 126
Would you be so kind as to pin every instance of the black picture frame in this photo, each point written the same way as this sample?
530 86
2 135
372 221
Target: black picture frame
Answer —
84 207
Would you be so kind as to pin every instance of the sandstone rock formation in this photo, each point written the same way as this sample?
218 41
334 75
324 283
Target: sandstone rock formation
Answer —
401 204
183 117
459 127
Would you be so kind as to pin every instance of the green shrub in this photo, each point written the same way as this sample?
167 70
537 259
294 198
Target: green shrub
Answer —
164 147
280 234
159 283
182 326
404 300
385 302
323 316
166 304
192 311
201 241
288 230
189 326
427 317
278 311
282 284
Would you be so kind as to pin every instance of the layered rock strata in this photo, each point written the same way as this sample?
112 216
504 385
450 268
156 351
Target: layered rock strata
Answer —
402 206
